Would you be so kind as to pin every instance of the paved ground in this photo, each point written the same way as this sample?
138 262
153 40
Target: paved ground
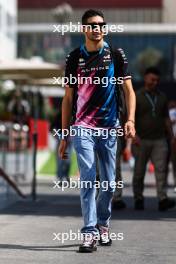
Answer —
27 227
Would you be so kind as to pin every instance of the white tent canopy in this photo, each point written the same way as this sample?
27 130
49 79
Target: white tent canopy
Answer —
31 69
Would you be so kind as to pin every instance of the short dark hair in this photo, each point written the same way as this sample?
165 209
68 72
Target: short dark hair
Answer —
153 70
91 13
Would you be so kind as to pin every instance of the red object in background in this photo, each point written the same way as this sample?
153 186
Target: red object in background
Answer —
42 130
151 168
126 155
45 4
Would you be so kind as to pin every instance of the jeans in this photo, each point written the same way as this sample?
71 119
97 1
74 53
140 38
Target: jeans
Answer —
87 146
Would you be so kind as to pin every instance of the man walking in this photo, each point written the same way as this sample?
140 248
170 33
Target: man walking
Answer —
96 110
152 122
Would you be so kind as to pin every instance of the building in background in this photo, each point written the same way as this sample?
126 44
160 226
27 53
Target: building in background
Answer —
148 40
36 17
168 15
8 29
128 11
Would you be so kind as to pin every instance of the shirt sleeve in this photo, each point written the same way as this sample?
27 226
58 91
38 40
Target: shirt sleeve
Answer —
71 71
123 65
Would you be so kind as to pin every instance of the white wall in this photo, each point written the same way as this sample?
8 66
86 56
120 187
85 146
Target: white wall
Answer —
169 9
8 35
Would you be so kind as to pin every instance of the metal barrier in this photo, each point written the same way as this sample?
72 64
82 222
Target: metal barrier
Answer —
14 154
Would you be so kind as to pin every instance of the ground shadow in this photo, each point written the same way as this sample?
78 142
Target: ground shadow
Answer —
39 248
69 205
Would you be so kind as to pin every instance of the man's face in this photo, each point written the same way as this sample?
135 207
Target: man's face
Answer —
93 31
151 81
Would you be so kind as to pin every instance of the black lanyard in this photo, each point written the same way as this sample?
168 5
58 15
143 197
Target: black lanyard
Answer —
153 103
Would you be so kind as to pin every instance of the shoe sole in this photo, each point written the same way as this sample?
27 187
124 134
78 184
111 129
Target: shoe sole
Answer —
105 244
87 250
166 209
173 205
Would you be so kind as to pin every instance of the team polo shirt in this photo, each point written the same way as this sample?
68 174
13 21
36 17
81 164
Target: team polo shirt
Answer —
95 103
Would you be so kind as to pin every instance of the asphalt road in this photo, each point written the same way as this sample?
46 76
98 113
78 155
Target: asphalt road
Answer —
28 227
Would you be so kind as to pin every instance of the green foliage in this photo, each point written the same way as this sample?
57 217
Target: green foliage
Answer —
49 168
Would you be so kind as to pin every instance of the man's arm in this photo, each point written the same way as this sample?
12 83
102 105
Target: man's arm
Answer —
130 99
121 66
66 118
67 107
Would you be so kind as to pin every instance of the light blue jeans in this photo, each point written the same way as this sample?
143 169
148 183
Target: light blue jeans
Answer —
87 147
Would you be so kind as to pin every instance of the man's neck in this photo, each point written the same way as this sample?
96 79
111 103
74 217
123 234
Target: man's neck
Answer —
94 46
152 91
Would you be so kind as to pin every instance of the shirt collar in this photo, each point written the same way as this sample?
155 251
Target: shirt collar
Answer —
84 50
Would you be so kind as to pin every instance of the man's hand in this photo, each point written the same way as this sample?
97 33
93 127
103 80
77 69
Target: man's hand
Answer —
129 129
66 118
62 149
